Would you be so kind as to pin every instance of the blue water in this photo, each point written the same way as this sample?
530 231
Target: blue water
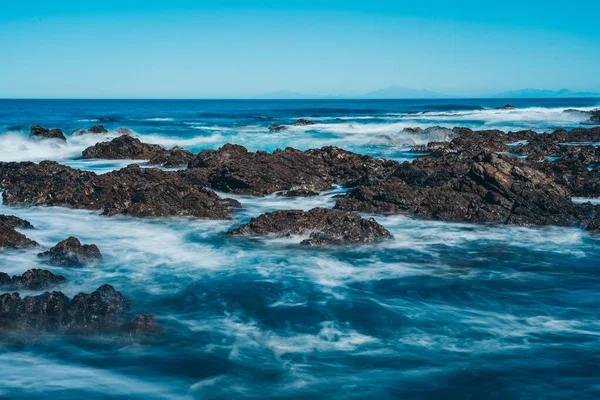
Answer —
442 311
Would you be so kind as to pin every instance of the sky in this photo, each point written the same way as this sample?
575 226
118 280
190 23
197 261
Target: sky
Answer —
238 49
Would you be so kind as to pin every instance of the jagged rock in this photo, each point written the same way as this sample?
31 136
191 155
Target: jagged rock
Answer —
132 191
322 225
71 253
10 238
123 148
41 133
486 188
303 122
104 310
277 128
123 131
33 279
142 325
595 117
14 222
298 193
506 107
174 158
234 169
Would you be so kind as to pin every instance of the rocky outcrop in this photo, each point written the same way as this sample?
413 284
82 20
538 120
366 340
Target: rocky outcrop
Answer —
303 122
41 133
135 191
71 253
143 324
104 310
484 188
10 238
123 148
234 169
34 279
322 226
177 157
277 128
506 107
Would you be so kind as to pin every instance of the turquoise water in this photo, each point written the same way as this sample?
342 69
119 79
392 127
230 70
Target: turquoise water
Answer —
442 311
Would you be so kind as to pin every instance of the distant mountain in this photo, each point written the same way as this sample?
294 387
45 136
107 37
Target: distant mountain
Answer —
392 92
286 95
537 93
399 92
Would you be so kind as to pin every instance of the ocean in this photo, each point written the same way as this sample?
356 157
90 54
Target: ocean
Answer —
442 311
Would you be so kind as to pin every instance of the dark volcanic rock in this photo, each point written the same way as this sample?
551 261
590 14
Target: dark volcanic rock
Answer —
324 226
234 169
10 238
133 191
123 148
303 122
486 188
277 128
174 158
40 133
14 222
71 253
506 107
298 193
34 279
94 130
143 324
104 310
595 117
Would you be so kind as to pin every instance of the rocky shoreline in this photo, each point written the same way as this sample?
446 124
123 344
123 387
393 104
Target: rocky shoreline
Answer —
517 178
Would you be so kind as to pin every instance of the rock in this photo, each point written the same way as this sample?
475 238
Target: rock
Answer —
94 130
234 169
298 193
10 238
175 158
123 148
142 325
14 222
322 225
41 133
277 128
506 107
33 279
135 191
124 131
104 310
303 122
485 188
71 253
595 117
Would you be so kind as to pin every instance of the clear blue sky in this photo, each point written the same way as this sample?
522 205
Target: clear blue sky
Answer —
172 48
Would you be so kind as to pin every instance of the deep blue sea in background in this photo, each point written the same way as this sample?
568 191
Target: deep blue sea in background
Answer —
442 311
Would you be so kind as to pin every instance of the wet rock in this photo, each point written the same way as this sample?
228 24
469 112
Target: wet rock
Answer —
71 253
595 117
142 325
33 279
298 193
485 188
123 148
234 169
303 122
322 225
277 128
124 131
135 191
175 158
506 107
41 133
94 130
104 310
10 238
14 222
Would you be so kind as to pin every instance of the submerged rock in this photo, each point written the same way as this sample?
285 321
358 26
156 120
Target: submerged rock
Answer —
322 225
104 310
277 128
506 107
123 148
132 191
71 253
41 133
33 279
